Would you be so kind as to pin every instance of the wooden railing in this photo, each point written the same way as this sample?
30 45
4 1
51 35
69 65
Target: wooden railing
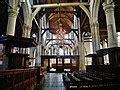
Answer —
18 79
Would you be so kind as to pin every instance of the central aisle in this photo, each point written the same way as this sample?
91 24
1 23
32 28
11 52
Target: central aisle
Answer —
53 81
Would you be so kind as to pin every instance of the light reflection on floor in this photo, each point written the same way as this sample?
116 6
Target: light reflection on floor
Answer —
53 81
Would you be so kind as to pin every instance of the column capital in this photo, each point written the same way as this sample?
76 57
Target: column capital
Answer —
26 27
26 30
12 13
108 7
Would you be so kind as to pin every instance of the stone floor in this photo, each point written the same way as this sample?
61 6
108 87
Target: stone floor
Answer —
53 81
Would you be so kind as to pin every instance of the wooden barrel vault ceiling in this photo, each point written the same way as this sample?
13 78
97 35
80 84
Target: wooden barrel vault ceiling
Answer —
59 18
66 14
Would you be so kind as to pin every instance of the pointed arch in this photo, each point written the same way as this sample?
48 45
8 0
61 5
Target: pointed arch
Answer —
95 10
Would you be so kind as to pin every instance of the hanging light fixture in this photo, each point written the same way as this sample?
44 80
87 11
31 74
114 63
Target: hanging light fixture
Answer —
60 32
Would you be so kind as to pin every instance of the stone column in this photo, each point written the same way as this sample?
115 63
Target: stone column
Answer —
12 16
38 57
13 11
26 31
88 50
26 34
32 55
81 49
95 36
82 56
111 28
39 48
106 58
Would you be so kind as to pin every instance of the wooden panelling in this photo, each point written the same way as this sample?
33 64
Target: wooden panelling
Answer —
18 79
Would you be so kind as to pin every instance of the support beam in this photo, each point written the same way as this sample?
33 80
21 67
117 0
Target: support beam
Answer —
39 48
64 45
111 27
60 39
12 16
27 19
81 49
81 5
87 12
95 36
49 29
48 40
59 5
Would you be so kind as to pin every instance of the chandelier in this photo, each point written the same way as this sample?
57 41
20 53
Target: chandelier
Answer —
61 31
60 36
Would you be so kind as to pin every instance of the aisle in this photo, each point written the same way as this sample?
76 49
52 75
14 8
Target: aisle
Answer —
53 82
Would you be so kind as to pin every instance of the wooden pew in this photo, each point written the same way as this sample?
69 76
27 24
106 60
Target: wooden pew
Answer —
71 82
107 73
17 79
87 82
75 82
66 80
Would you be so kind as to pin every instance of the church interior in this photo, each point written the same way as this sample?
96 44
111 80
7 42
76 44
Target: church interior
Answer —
59 44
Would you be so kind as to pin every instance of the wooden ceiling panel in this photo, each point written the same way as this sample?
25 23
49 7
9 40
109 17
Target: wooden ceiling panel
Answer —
59 18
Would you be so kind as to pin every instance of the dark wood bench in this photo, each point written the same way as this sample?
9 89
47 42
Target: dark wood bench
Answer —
96 77
17 79
70 81
66 80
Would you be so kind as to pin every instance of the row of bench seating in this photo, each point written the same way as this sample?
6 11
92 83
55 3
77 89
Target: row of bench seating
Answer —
18 79
85 81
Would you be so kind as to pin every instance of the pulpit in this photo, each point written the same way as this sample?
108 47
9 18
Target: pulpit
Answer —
16 59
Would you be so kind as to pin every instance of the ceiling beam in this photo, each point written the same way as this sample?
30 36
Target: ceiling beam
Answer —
59 5
81 5
60 39
59 44
54 28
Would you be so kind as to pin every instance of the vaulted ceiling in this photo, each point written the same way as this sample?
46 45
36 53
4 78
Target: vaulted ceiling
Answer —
62 16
